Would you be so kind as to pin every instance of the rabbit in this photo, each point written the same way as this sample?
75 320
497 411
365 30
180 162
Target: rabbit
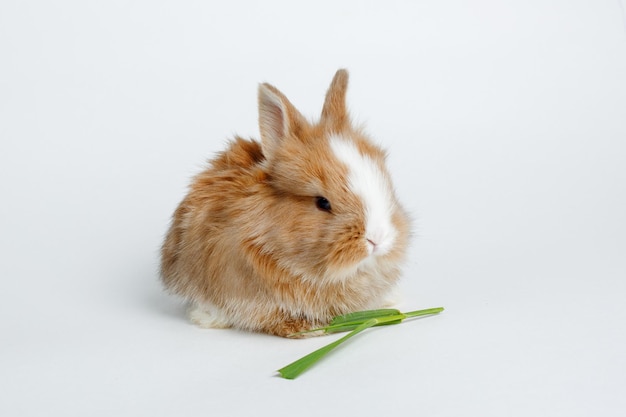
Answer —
279 236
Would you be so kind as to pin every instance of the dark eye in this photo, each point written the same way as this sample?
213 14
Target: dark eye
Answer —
322 203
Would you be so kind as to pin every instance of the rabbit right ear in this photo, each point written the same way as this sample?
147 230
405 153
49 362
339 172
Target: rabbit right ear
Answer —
278 118
335 113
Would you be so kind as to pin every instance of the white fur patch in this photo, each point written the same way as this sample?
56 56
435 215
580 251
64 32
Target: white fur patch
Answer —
208 317
366 180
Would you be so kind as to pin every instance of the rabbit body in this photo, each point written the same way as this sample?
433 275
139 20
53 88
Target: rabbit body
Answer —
281 235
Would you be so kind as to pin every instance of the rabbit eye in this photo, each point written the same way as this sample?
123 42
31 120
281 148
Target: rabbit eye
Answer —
322 203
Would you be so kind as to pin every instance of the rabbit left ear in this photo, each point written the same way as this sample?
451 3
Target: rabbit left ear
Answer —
334 112
278 119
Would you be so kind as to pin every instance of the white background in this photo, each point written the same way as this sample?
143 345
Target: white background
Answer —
506 127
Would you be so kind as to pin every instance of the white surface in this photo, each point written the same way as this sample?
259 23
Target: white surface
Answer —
506 126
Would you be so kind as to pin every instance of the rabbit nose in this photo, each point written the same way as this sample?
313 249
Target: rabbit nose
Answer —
379 242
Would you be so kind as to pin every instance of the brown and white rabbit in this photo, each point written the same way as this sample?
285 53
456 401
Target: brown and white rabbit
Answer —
282 235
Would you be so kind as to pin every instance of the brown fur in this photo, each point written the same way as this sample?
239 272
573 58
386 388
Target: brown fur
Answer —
249 241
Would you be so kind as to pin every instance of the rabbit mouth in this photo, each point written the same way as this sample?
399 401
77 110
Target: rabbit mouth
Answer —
376 249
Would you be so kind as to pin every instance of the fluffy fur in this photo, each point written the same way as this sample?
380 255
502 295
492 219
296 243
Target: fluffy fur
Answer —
249 246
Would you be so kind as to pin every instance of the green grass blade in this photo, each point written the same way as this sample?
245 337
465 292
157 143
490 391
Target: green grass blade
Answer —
294 369
351 326
363 316
351 321
356 323
425 312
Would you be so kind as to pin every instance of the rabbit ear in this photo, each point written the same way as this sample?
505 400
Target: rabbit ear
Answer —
334 112
278 118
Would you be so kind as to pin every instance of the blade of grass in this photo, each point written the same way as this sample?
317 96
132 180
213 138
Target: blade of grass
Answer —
424 312
363 316
294 369
351 321
391 316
